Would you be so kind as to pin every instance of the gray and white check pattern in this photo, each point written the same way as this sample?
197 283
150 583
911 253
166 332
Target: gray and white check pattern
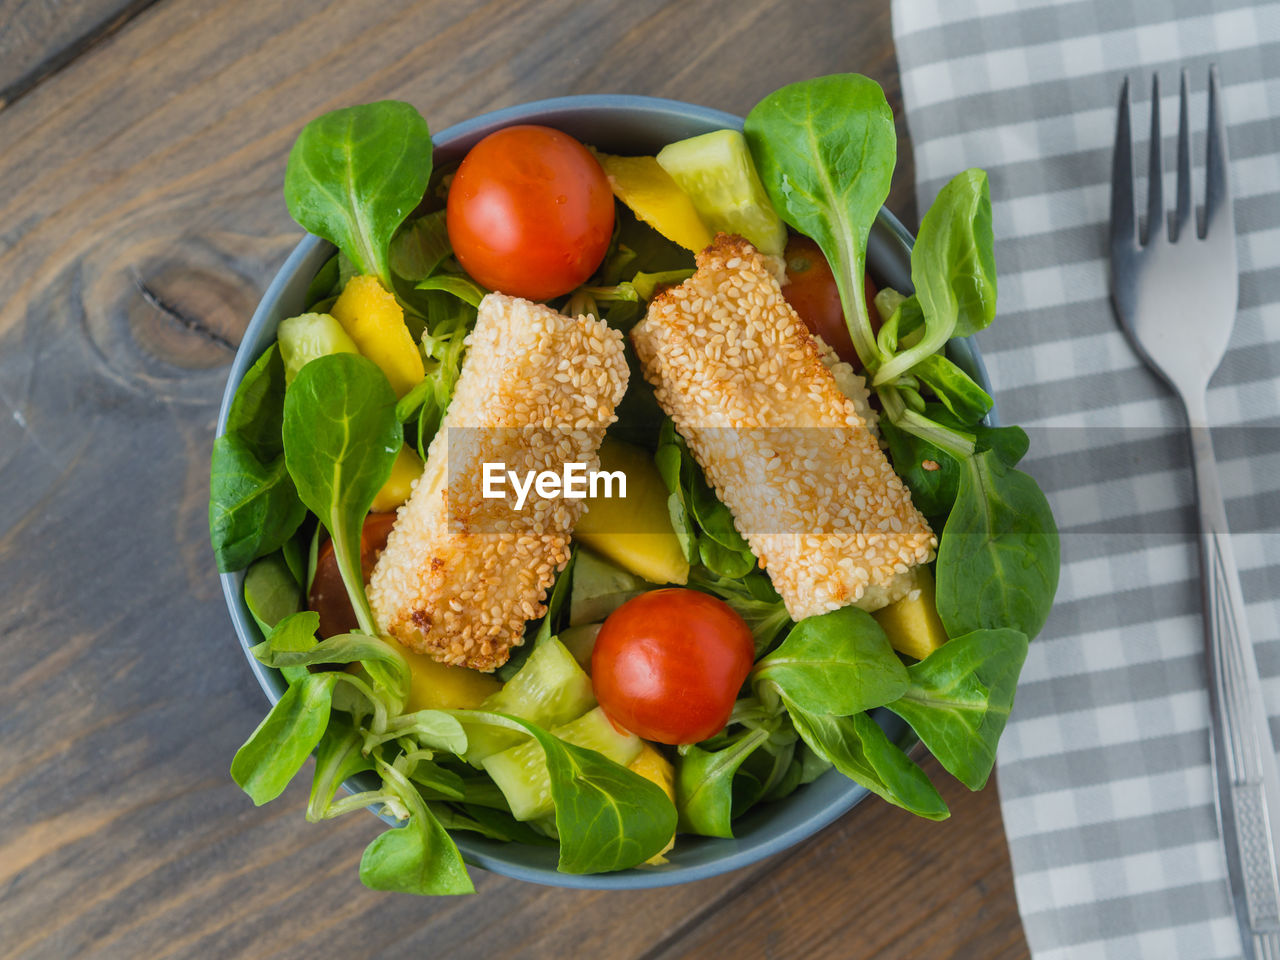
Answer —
1104 771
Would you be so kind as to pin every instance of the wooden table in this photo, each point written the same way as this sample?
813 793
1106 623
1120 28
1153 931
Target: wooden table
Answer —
142 150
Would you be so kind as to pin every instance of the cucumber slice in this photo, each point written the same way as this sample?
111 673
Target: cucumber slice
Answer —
580 641
521 772
550 689
716 171
310 335
600 587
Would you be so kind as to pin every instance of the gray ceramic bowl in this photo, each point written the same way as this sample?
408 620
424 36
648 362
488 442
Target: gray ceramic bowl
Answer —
616 124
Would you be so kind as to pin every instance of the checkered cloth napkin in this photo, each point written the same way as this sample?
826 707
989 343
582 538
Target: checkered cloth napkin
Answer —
1104 772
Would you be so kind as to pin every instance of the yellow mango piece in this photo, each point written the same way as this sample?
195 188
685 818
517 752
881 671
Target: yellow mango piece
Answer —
656 199
634 531
406 469
652 765
375 321
438 686
912 623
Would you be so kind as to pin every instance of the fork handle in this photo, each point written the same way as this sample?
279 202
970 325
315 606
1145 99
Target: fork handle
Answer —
1244 758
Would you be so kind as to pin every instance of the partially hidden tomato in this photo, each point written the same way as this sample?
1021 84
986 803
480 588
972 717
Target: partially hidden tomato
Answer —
812 292
328 595
668 664
530 212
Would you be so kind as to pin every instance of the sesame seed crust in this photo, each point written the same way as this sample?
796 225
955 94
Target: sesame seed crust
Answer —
757 399
462 574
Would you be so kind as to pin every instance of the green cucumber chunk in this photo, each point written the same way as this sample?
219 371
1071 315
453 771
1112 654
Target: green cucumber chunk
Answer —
521 772
716 171
310 335
600 587
550 689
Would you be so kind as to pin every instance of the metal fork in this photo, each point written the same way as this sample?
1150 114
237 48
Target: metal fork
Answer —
1176 297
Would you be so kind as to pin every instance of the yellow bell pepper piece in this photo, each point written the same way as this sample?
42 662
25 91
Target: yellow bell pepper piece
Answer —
438 686
406 468
912 623
634 531
375 321
652 765
656 199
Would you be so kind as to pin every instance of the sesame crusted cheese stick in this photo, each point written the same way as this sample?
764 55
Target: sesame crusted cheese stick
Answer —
789 454
461 573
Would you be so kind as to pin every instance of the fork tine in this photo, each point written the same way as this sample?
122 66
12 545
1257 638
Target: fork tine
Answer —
1218 215
1124 226
1184 210
1157 220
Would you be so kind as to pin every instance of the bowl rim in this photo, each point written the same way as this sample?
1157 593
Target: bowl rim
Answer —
739 852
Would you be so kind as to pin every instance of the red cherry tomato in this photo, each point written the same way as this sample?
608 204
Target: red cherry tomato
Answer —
668 664
328 596
530 212
813 294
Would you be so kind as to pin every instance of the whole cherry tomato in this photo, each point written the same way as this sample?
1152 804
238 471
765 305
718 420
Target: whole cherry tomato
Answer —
328 595
530 212
668 664
813 294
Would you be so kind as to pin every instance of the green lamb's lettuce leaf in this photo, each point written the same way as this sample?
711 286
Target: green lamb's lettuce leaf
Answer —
449 318
859 749
838 663
419 857
953 270
292 645
270 591
257 410
608 818
998 557
280 746
339 756
825 149
957 391
960 697
753 598
253 507
465 289
704 784
341 437
420 246
353 176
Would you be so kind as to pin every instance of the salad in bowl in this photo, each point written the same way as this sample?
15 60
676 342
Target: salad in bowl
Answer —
594 513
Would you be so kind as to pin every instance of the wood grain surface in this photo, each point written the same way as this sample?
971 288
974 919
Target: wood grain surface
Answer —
142 153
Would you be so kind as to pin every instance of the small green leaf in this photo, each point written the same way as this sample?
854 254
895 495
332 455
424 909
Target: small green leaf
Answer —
420 246
838 663
724 562
339 757
324 286
257 410
953 270
270 591
353 176
957 391
280 746
292 635
825 149
859 749
465 289
419 858
608 817
341 437
704 784
960 697
253 507
998 556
